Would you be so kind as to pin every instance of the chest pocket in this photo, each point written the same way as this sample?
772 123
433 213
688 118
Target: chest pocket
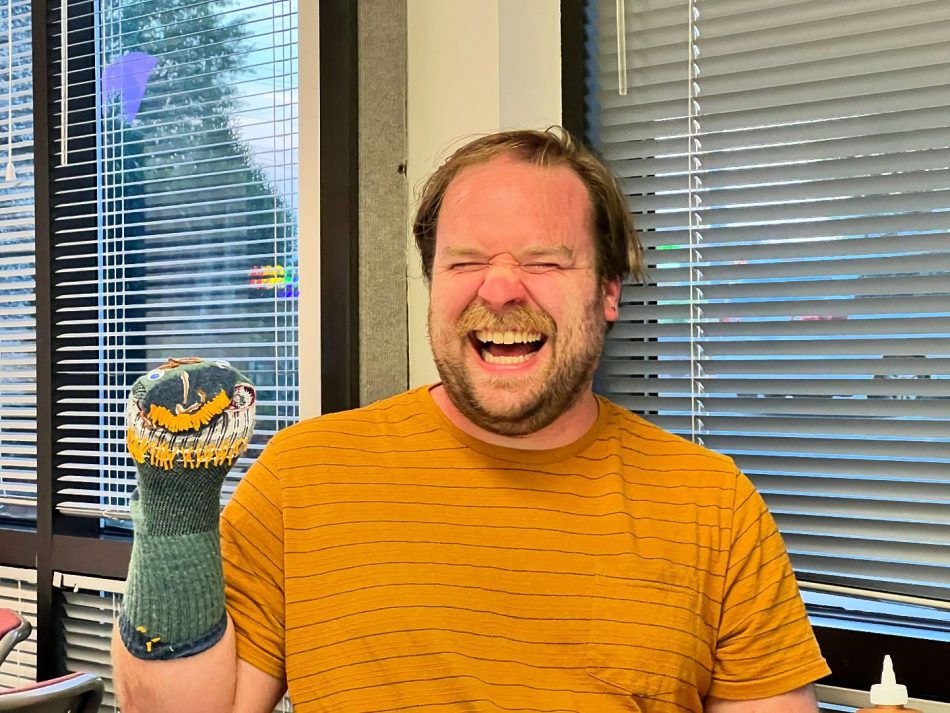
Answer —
649 637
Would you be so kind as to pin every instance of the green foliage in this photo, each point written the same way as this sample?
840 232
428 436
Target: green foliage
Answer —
183 158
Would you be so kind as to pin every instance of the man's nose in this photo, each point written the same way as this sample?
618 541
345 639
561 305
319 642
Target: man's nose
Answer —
502 285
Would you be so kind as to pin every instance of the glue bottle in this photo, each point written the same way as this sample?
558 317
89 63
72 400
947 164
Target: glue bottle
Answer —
888 695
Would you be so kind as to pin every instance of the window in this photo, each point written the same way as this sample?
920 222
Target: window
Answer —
174 200
17 273
787 166
165 204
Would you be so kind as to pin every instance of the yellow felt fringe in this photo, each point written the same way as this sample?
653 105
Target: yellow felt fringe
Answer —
159 454
178 422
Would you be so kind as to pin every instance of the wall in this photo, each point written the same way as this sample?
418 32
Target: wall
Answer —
473 68
383 352
308 215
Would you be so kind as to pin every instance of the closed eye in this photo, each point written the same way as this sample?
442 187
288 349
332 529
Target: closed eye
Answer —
466 266
540 266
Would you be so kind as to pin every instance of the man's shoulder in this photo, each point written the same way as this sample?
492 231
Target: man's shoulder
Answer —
640 436
395 416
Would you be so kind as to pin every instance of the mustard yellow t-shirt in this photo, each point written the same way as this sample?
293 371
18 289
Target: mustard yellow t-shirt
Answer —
382 560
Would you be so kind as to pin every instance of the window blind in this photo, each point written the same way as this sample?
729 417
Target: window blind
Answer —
788 167
91 608
174 208
18 592
17 301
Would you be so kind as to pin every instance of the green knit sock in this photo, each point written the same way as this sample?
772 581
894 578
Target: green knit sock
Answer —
174 597
187 423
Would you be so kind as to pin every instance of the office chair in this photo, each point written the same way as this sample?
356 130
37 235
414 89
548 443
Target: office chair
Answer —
73 693
13 630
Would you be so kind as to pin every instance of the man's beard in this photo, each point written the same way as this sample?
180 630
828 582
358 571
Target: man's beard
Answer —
548 393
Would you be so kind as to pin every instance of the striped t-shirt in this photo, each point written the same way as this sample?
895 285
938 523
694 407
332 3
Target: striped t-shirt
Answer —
383 560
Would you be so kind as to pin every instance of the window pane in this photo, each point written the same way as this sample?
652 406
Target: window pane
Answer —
17 298
175 226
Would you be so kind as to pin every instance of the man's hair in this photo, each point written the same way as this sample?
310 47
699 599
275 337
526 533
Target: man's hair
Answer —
615 239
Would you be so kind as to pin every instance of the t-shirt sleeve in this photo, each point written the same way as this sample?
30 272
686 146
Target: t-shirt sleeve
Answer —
252 548
765 644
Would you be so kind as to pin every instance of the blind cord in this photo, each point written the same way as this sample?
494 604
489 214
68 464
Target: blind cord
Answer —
10 176
693 165
63 89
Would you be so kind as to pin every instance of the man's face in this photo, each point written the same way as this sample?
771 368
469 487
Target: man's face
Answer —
517 313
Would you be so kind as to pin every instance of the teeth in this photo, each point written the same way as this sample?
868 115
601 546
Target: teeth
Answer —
484 336
491 359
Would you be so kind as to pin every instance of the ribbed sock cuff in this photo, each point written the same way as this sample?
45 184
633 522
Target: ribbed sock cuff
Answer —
143 648
174 599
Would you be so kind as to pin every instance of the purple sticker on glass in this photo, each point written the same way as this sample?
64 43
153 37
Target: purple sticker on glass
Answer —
128 76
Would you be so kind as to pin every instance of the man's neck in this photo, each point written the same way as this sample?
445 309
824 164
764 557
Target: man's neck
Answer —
567 428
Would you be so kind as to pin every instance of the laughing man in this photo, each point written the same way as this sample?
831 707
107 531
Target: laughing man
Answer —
504 539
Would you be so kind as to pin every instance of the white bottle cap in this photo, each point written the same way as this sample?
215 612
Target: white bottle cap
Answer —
888 692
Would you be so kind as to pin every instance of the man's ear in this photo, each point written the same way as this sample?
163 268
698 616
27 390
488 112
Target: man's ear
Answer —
611 290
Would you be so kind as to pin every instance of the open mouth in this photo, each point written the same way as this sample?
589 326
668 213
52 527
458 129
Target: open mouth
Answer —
509 347
215 433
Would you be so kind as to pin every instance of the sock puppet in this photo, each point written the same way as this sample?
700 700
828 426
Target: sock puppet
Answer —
187 422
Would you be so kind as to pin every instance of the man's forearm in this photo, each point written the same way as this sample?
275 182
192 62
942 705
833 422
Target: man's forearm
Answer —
203 683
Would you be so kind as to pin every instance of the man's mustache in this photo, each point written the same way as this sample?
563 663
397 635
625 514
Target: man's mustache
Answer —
519 318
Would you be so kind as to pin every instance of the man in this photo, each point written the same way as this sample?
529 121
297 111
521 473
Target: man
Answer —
503 540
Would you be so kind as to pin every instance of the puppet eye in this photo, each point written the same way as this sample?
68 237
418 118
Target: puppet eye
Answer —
155 375
222 364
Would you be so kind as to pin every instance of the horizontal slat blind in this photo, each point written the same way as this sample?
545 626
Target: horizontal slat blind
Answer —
18 592
829 605
17 298
90 611
788 167
91 606
174 216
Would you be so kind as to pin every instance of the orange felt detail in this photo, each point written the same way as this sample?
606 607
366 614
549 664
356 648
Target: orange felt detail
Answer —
176 423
